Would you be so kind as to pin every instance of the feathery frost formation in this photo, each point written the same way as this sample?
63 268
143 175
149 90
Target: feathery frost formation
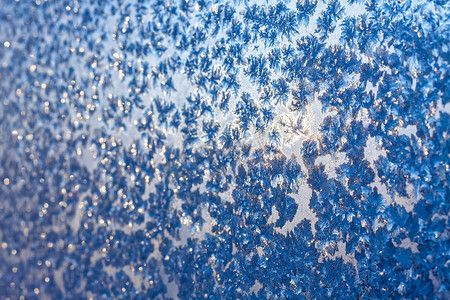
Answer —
224 149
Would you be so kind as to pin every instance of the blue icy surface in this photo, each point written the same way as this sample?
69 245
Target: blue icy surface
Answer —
224 149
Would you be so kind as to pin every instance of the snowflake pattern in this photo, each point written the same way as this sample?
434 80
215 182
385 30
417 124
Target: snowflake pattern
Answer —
184 149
